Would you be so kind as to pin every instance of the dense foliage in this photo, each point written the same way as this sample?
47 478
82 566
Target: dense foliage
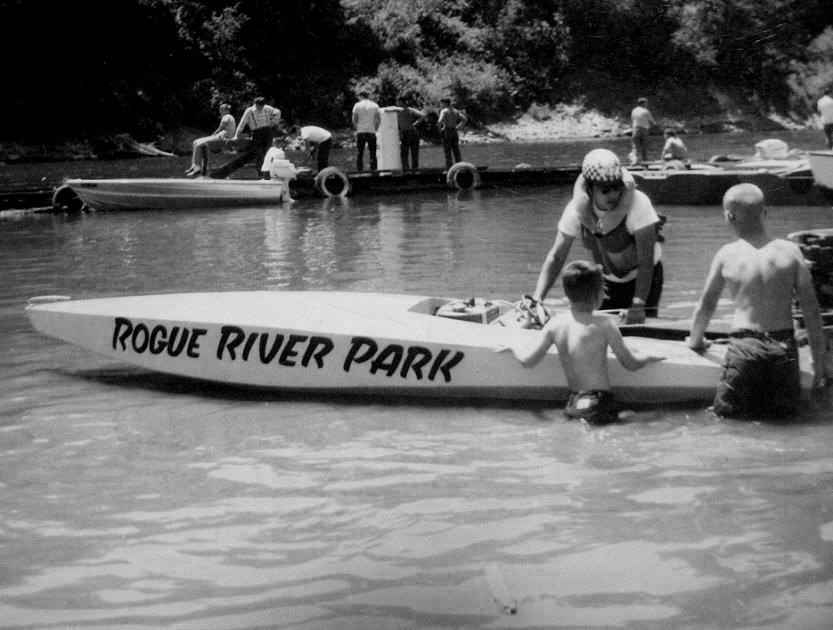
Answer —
142 66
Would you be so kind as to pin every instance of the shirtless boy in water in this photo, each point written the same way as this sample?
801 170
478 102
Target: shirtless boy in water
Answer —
582 339
760 373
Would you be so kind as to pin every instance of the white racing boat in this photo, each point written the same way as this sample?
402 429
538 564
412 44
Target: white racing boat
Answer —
354 343
166 193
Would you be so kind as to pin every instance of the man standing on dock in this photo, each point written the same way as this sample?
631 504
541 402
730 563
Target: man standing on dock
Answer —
366 120
450 122
408 120
641 122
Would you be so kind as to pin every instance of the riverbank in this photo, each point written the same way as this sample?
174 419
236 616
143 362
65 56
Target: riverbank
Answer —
538 124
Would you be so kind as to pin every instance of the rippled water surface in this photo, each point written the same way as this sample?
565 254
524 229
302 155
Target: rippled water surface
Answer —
135 500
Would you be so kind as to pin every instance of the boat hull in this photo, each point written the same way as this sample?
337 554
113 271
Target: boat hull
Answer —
174 193
348 343
784 185
821 164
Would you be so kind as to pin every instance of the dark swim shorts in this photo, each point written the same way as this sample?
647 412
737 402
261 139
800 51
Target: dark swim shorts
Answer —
760 375
594 406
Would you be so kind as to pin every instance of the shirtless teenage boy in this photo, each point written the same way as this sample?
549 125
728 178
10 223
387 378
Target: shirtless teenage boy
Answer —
760 373
582 339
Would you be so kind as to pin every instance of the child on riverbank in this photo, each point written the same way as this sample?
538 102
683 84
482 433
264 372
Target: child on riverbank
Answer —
582 339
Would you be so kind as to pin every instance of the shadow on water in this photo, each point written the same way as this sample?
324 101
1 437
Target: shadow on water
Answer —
139 379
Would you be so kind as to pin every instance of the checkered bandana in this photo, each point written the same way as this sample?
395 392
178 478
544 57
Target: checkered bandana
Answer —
601 166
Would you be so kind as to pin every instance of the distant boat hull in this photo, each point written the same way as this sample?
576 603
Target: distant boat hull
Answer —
352 343
783 182
821 164
174 193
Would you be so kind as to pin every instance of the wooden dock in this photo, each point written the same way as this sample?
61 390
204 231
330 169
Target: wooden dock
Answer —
664 187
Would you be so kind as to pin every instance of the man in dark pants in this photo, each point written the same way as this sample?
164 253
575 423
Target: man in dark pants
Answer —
262 121
408 119
450 122
366 120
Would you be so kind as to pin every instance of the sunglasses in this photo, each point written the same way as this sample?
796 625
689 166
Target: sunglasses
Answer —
608 188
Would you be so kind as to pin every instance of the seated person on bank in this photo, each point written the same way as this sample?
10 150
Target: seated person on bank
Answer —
761 374
674 152
582 339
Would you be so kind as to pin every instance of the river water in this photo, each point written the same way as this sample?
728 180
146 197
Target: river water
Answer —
136 500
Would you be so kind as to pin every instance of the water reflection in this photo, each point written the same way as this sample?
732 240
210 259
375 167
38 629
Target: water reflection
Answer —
132 499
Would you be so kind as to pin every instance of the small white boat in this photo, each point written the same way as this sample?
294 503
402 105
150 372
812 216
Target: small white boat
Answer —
353 343
821 163
168 193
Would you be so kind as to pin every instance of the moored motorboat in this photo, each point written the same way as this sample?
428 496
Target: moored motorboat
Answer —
821 164
167 193
355 343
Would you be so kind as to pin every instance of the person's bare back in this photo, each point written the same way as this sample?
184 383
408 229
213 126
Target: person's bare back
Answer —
764 277
581 339
761 280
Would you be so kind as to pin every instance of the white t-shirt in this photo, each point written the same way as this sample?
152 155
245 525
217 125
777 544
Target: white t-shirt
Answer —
227 125
641 117
641 214
277 165
315 134
365 116
825 107
674 149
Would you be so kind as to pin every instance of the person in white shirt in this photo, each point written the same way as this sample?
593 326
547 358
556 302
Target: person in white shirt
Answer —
619 226
317 142
366 120
641 121
216 141
825 108
262 120
279 168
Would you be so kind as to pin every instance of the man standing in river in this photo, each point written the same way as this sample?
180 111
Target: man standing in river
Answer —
760 372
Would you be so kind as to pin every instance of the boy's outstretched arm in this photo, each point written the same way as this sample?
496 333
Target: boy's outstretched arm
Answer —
626 357
707 305
812 322
532 354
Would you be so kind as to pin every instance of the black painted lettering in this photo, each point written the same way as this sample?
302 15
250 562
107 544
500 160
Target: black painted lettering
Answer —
318 348
416 359
177 340
361 349
250 341
230 338
266 356
388 360
445 367
194 342
289 353
120 336
157 345
140 338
